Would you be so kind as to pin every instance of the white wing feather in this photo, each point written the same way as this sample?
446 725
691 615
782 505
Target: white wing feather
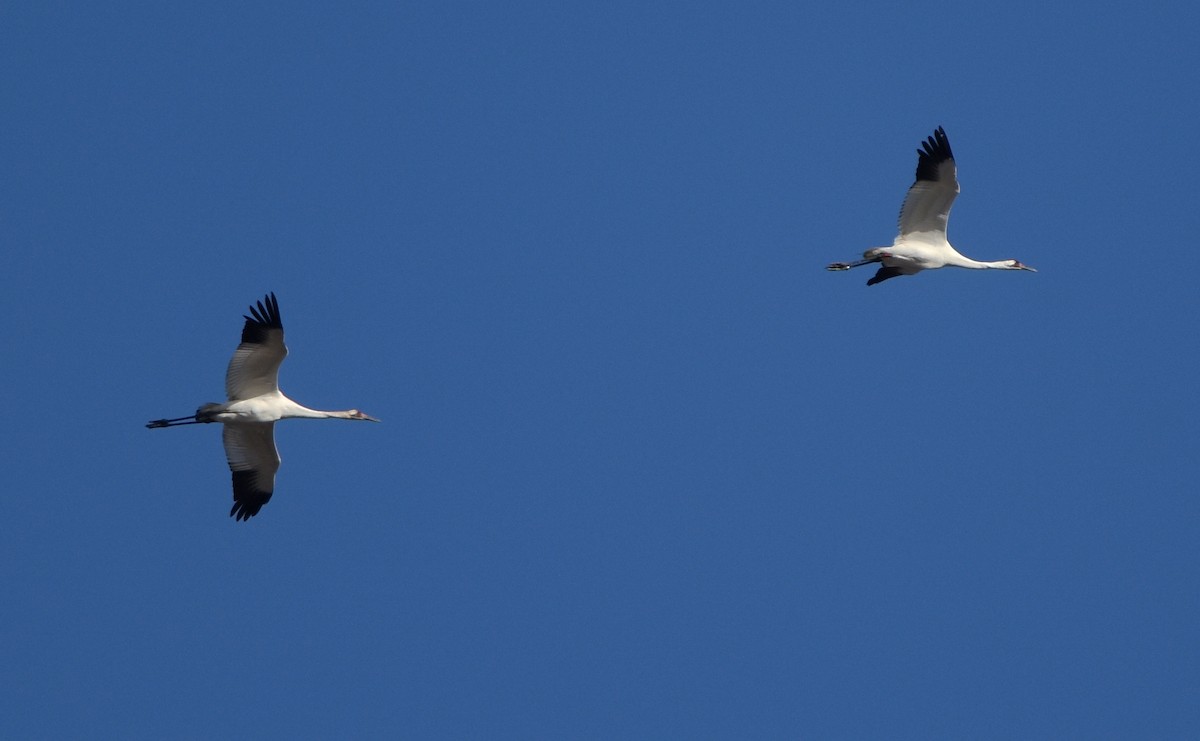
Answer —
254 368
253 459
251 447
926 208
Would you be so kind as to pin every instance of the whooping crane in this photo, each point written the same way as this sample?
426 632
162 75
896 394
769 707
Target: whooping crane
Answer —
255 405
921 243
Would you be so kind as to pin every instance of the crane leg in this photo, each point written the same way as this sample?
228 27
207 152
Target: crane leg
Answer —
848 265
189 420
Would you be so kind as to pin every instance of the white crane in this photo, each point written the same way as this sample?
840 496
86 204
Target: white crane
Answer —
255 405
921 243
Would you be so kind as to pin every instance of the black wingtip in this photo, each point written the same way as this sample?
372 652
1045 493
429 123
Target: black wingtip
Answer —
883 274
263 318
248 499
934 151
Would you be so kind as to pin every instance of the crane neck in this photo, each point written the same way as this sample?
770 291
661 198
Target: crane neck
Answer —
298 411
965 262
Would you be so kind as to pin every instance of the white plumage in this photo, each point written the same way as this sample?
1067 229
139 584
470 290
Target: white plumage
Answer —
254 405
921 243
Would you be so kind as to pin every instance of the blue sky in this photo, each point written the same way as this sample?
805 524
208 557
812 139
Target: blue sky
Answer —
646 469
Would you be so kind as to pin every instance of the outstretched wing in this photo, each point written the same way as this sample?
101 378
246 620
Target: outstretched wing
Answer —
253 459
254 367
927 206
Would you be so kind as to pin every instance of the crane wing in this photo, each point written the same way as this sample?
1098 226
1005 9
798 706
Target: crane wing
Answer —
254 367
927 206
253 459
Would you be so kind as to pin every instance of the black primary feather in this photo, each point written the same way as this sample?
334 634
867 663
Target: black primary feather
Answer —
883 274
264 319
936 151
248 499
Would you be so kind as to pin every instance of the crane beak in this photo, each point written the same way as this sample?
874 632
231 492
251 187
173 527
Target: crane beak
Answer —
1020 266
367 417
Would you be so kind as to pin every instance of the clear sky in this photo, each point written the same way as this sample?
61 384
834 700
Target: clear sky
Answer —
646 469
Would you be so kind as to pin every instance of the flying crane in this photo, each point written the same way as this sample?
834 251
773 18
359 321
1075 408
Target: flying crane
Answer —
255 404
921 243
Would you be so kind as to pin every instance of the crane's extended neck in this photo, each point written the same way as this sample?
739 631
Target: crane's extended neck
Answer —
300 412
959 261
295 410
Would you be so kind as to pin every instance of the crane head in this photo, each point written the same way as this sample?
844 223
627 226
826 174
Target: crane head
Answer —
1017 265
355 414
